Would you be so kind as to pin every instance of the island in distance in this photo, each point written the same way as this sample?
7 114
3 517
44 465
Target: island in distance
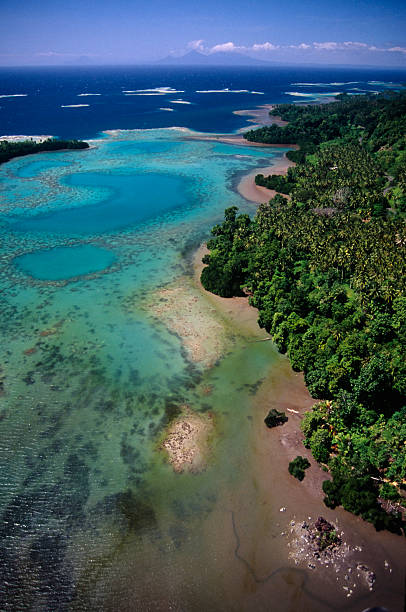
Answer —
221 58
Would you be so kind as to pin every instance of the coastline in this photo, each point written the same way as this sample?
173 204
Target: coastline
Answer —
256 193
260 116
247 187
358 574
235 139
255 528
285 504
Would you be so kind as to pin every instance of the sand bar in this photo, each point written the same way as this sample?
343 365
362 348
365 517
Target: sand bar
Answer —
255 193
260 116
186 441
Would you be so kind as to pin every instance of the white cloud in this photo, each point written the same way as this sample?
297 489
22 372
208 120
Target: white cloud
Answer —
228 47
326 46
355 45
197 45
397 49
301 46
268 47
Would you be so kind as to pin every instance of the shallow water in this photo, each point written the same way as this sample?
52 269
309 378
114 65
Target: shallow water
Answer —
89 379
92 515
63 263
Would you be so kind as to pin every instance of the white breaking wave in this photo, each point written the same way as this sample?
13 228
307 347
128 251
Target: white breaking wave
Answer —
73 105
179 102
83 95
13 95
345 83
308 84
227 90
333 84
156 90
167 109
389 84
144 94
300 94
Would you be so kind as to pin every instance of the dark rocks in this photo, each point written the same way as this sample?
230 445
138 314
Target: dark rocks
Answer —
368 575
298 466
326 534
275 418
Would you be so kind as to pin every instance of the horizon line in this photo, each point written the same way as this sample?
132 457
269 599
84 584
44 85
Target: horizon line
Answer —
157 63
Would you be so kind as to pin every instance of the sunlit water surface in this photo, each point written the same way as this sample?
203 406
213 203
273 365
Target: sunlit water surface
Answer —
89 380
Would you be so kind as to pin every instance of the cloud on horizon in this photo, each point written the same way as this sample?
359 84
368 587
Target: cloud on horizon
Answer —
268 47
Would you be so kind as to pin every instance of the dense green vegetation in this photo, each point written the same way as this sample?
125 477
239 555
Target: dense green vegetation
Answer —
275 418
327 272
377 122
283 184
298 466
9 149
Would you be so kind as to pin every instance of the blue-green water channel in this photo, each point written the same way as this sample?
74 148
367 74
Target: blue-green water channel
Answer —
89 379
63 263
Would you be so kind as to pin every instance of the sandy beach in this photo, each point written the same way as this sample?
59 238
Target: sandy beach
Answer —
247 187
255 193
235 139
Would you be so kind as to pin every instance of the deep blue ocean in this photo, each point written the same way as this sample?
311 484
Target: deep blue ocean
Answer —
42 97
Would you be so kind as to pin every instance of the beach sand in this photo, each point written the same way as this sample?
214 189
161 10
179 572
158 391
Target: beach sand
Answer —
255 193
234 139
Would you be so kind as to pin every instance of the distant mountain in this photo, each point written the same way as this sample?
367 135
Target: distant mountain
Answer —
194 58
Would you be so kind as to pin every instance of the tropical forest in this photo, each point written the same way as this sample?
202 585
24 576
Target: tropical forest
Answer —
10 149
324 264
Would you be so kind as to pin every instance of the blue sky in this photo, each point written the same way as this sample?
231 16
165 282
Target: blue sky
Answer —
129 31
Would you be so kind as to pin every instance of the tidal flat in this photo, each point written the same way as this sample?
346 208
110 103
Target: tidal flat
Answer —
95 365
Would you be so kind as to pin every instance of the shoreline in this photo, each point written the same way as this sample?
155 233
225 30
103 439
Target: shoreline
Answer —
235 139
259 116
258 534
287 506
236 310
252 192
246 186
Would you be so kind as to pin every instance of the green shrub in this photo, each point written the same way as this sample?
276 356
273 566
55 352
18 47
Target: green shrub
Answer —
298 466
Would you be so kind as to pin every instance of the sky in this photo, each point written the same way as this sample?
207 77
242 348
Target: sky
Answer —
59 32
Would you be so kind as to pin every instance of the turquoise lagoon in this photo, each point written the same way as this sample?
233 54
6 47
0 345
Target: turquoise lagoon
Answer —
93 516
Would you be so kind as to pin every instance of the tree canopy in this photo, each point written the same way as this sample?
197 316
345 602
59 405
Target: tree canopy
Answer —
327 273
10 149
